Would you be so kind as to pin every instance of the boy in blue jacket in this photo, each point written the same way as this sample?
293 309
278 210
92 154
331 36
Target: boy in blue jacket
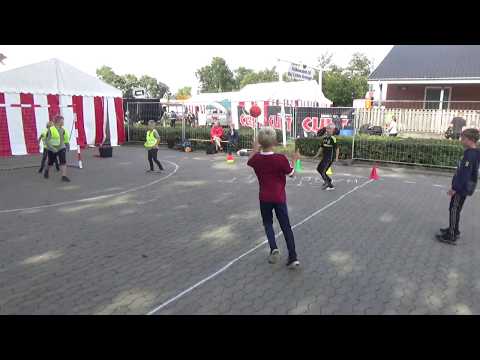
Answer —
463 184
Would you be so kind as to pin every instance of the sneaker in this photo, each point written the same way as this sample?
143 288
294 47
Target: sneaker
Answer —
65 179
324 186
45 174
274 255
445 238
148 171
447 231
330 187
293 264
40 170
57 167
161 169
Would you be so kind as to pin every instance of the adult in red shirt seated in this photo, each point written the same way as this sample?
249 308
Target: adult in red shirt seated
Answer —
216 134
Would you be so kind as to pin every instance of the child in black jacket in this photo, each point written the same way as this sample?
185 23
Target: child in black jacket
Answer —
464 183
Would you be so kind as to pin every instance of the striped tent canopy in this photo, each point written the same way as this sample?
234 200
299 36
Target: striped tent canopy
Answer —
32 95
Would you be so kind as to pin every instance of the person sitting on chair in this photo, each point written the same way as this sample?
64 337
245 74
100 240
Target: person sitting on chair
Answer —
216 134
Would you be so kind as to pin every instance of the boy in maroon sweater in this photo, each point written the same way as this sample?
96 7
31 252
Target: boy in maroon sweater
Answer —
271 170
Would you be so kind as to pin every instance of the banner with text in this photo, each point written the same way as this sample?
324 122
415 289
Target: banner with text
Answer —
310 120
272 118
300 72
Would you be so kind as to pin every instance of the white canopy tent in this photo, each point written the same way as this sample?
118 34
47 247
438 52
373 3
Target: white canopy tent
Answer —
54 77
295 93
302 93
33 94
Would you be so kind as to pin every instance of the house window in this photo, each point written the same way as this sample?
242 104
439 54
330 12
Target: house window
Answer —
437 98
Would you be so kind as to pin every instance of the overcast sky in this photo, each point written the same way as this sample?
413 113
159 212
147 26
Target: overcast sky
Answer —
175 65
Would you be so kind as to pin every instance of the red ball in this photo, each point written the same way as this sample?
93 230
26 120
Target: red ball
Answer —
255 111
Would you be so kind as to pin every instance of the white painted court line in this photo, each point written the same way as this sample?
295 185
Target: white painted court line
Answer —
439 186
224 268
410 182
95 198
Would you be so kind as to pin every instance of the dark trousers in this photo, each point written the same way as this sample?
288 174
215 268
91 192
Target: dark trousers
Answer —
232 146
281 211
456 205
44 159
55 157
172 123
152 156
322 168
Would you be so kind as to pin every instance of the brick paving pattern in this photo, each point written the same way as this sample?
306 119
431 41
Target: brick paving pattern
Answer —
372 252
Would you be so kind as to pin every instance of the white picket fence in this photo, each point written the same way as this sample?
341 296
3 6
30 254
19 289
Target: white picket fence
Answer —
416 120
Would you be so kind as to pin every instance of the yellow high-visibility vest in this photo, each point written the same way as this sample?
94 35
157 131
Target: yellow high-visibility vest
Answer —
151 139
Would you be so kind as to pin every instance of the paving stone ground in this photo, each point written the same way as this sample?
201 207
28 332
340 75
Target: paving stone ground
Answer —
138 240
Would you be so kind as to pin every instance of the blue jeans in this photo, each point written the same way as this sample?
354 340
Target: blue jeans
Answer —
266 209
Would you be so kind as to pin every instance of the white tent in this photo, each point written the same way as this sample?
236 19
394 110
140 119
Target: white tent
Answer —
205 98
302 93
54 77
298 93
33 94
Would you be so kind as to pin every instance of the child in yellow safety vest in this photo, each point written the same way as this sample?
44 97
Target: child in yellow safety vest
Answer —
151 144
43 139
57 142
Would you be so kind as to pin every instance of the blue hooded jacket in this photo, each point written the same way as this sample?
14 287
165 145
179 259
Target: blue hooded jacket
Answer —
465 179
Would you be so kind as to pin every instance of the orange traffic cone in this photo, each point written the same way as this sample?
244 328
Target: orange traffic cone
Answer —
230 159
373 174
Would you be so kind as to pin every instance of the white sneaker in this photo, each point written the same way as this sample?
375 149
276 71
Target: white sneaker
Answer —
293 265
274 256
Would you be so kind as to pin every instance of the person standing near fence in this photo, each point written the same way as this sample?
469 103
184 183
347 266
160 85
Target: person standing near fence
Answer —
233 138
464 183
173 119
330 152
458 124
392 127
271 170
151 144
57 142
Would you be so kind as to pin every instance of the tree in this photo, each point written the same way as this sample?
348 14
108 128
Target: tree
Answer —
253 77
240 75
360 65
154 88
184 93
343 85
106 74
126 83
216 77
325 60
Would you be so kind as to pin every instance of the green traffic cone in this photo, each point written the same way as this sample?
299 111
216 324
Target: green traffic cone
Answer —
298 165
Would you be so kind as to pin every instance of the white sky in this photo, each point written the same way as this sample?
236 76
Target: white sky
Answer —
175 65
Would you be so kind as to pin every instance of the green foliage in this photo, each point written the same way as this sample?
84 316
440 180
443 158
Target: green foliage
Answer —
342 85
216 77
252 77
184 93
126 83
310 146
426 152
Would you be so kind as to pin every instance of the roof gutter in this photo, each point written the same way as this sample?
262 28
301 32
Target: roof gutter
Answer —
427 81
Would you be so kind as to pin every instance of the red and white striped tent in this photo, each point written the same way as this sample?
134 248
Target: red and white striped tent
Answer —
32 95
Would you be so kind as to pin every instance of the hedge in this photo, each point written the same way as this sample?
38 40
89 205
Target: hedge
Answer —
138 133
425 152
